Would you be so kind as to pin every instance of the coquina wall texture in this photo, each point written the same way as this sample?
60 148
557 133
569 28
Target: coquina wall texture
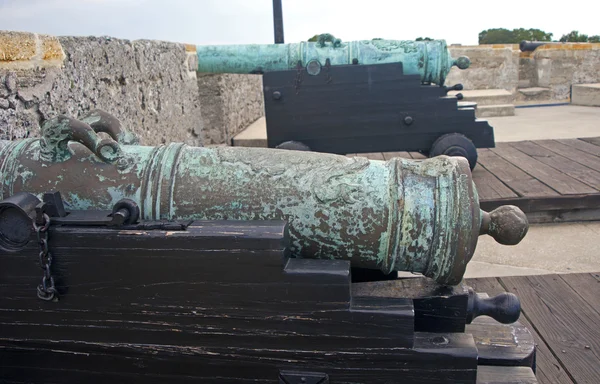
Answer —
555 67
230 103
559 66
151 86
492 67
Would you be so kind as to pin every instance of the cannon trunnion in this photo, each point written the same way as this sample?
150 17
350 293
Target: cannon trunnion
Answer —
223 302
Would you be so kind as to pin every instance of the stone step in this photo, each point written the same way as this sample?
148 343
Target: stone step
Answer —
467 104
526 95
486 96
586 94
253 136
495 110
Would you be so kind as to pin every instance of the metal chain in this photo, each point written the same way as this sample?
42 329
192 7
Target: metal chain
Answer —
47 290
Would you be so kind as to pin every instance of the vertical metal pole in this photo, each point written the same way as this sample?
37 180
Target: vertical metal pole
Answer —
278 21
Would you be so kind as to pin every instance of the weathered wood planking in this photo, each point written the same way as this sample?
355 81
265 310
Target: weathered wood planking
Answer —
417 155
391 155
560 182
591 140
561 163
489 187
566 322
549 369
505 375
587 285
372 155
574 154
502 344
582 145
516 179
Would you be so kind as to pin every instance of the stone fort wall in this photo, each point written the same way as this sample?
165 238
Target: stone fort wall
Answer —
151 86
504 66
154 89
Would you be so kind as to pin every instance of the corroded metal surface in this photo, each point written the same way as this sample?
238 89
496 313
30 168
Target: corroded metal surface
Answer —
430 59
420 216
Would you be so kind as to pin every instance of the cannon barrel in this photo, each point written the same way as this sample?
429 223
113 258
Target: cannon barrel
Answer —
429 59
397 215
530 46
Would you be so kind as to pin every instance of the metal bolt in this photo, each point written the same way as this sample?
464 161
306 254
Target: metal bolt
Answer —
313 67
408 120
276 95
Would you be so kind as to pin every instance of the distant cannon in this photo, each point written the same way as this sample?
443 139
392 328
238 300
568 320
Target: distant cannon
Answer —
429 59
530 46
359 96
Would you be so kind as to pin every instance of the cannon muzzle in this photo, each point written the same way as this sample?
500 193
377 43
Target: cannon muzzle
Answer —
397 215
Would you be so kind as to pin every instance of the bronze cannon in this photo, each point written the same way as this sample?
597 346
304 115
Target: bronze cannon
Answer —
395 215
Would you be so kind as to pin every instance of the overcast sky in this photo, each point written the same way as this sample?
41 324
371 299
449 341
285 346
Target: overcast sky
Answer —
250 21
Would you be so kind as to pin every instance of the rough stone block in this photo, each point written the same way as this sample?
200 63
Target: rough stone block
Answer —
145 84
586 94
560 66
492 67
24 50
539 94
486 96
495 110
230 103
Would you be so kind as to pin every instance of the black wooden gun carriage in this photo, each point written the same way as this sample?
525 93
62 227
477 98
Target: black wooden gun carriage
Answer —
123 300
369 108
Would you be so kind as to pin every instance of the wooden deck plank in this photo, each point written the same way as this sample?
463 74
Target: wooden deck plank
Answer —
372 155
566 322
417 155
560 182
582 146
505 375
587 285
562 164
591 140
519 181
489 187
583 158
391 155
549 370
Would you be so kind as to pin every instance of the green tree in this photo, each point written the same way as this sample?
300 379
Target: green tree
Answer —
504 36
314 39
574 37
424 39
531 34
495 36
594 39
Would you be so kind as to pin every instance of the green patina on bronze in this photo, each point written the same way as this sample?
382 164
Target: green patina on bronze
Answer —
429 59
406 215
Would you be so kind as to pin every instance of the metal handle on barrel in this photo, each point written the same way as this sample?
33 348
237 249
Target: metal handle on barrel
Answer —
59 131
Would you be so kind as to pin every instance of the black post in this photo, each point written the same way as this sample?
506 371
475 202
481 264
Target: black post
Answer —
278 21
